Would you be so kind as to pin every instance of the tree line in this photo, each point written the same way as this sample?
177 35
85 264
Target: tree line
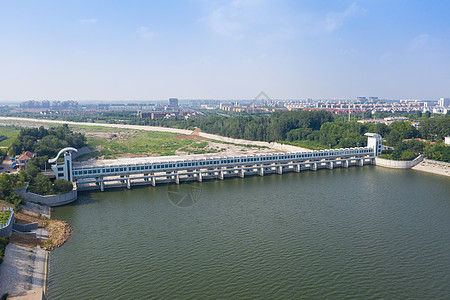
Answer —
45 143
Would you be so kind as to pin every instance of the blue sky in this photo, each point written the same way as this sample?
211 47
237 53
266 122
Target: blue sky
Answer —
198 49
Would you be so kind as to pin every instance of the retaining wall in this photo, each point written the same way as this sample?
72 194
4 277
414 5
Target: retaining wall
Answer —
25 227
6 229
50 200
398 164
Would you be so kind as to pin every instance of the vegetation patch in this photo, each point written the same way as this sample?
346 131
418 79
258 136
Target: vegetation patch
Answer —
3 243
10 132
147 143
4 216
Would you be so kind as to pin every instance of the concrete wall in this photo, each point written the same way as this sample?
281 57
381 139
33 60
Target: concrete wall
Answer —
397 164
50 200
25 227
7 228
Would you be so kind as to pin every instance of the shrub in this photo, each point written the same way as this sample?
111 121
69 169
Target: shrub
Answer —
61 186
3 242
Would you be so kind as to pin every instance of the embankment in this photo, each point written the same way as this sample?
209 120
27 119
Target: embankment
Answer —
50 200
398 164
435 167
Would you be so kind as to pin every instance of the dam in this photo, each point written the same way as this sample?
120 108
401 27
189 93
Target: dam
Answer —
128 172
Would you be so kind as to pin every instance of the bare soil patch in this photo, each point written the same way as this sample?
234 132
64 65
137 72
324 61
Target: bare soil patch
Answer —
22 218
22 239
58 232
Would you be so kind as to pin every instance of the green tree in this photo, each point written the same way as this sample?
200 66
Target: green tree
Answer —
15 148
61 186
435 129
368 114
40 185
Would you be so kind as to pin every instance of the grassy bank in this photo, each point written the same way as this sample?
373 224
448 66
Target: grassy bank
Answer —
10 132
4 216
116 142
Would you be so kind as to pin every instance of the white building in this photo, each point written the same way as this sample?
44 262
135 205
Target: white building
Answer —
444 102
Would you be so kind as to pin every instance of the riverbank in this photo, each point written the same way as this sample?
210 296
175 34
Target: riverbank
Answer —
435 167
25 264
23 269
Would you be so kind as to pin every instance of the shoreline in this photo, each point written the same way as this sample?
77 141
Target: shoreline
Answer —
23 270
433 167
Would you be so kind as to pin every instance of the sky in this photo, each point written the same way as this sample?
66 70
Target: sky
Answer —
197 49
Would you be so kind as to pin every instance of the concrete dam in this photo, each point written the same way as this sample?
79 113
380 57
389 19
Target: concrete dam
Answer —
128 172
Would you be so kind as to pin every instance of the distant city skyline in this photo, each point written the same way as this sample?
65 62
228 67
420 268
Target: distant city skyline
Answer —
198 49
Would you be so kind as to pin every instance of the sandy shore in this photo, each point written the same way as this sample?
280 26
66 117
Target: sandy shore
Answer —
433 167
22 270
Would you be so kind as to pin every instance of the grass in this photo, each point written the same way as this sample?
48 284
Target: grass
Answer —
143 143
3 243
95 128
9 131
4 216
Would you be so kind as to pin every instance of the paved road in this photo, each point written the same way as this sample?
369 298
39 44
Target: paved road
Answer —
22 269
276 146
7 166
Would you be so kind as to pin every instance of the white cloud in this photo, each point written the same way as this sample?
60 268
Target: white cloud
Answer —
145 33
88 21
419 42
334 20
232 19
258 20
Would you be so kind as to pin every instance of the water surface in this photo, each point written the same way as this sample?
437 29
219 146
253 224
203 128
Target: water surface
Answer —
345 233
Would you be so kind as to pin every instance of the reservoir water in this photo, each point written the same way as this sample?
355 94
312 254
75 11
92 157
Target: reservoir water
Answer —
346 233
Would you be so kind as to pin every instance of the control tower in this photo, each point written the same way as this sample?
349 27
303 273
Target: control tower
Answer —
375 141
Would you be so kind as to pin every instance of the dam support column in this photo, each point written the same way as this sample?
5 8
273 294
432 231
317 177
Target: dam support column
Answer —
331 165
102 185
280 170
346 163
199 176
153 180
242 173
128 183
261 171
177 179
361 162
298 168
221 175
314 166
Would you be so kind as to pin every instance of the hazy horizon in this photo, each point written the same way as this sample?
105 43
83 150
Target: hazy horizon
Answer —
219 50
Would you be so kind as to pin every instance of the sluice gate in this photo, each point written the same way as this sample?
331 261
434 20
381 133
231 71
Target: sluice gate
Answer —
128 172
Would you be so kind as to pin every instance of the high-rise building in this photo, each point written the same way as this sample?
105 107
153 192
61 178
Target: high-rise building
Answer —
173 102
444 102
